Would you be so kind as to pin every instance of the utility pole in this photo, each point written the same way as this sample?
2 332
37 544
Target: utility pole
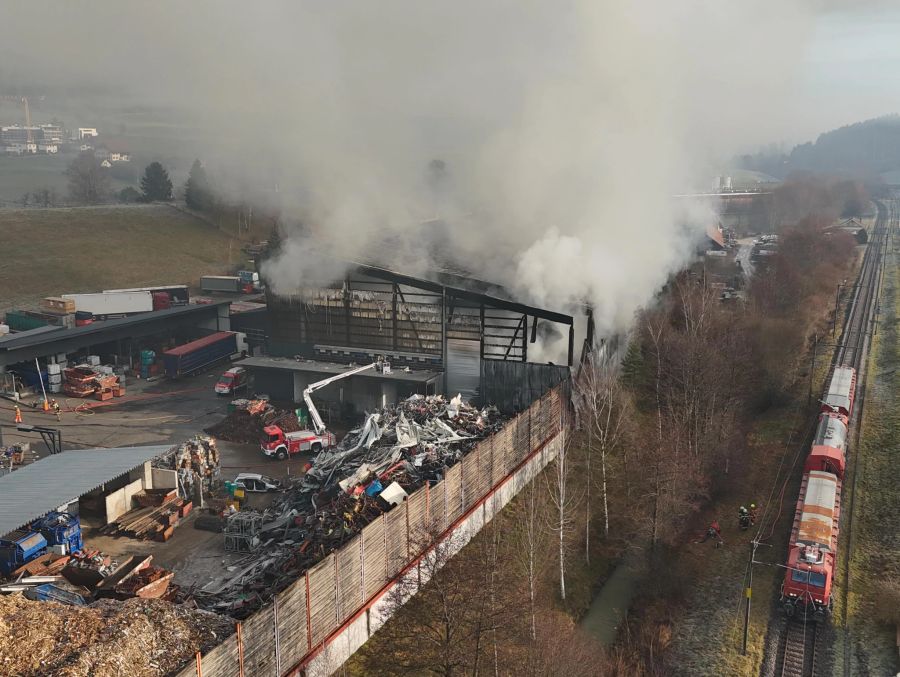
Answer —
812 368
748 593
837 301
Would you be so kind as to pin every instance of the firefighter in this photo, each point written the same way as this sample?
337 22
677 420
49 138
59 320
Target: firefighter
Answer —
743 517
713 531
55 405
18 414
753 513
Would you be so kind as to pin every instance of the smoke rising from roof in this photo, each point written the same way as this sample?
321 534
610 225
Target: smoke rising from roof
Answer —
546 137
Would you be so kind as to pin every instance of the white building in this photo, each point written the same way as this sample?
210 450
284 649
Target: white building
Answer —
85 132
49 147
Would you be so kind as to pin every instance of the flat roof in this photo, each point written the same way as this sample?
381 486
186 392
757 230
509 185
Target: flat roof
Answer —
333 368
44 485
15 341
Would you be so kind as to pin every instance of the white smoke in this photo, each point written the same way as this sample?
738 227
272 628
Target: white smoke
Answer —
564 126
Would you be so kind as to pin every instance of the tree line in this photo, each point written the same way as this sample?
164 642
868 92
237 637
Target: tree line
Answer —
660 428
89 183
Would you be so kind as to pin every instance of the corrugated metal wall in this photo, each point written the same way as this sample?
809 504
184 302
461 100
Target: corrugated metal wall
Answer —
513 386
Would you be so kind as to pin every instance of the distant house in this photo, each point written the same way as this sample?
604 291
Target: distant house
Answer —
85 146
49 147
715 237
106 163
86 132
113 151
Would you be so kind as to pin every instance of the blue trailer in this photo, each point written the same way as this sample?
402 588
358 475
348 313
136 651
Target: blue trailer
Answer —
53 593
60 528
18 548
193 357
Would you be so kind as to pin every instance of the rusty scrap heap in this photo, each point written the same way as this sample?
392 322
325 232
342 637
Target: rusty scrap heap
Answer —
245 424
396 451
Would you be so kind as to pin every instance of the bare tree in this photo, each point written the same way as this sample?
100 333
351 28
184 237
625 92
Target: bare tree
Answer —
529 550
564 502
87 181
605 412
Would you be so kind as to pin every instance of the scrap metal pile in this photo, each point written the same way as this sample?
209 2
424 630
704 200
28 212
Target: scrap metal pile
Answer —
245 424
195 460
396 451
145 637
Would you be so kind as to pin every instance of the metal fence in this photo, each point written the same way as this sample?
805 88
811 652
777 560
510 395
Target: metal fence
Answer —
302 617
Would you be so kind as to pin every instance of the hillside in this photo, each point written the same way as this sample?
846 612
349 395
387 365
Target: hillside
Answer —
868 148
53 251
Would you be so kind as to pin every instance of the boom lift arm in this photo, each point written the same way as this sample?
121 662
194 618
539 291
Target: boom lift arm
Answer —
318 423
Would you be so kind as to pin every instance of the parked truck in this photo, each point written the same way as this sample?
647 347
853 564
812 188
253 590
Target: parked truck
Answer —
104 305
250 280
194 357
18 548
179 294
227 283
280 445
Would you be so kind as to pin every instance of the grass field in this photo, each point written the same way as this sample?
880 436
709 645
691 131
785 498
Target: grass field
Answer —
47 252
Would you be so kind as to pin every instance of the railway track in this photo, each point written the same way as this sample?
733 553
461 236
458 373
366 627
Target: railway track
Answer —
800 640
798 652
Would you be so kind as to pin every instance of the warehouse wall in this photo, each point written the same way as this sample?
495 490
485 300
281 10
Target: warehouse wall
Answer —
119 502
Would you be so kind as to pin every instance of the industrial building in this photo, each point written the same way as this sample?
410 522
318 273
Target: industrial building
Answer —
89 482
445 333
118 341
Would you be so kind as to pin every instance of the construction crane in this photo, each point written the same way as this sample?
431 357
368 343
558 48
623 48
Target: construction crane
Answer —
29 137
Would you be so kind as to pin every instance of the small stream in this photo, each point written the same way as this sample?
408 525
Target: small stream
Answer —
611 604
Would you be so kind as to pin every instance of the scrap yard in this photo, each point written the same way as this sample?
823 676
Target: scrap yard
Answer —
174 480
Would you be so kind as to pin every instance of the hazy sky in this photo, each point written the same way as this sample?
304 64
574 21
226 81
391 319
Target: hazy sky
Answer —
851 71
566 125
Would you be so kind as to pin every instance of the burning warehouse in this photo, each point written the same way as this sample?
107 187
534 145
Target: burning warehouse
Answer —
443 333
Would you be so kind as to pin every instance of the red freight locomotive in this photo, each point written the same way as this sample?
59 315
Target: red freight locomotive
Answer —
814 538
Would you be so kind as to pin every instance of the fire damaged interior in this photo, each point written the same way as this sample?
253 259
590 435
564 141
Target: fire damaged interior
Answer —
447 323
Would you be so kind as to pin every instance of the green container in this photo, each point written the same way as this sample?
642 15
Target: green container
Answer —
19 321
230 487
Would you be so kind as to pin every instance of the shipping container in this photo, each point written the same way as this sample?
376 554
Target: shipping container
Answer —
107 304
19 320
221 283
178 293
195 356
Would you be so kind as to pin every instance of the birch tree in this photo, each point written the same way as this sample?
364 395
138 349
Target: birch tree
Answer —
605 413
564 501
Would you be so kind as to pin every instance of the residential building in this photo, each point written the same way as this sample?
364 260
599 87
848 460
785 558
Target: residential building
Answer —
85 132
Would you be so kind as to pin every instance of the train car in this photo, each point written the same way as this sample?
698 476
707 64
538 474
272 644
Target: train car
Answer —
841 390
812 553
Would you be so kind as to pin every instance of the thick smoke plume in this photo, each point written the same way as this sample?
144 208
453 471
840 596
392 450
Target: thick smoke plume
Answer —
536 143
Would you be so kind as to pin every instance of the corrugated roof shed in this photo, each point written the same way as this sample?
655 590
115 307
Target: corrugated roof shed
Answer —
45 485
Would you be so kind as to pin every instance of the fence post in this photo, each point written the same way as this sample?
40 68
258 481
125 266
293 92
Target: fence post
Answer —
199 660
275 629
239 628
308 616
